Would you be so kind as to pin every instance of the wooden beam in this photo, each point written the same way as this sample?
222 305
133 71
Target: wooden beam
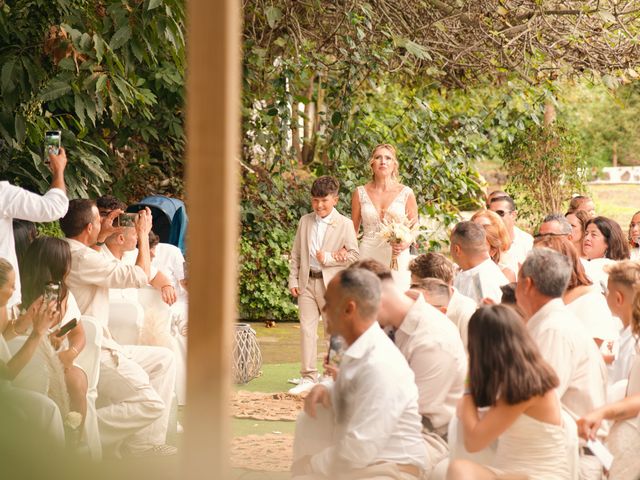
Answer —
213 134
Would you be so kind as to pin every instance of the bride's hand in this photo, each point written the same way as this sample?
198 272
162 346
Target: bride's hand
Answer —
398 248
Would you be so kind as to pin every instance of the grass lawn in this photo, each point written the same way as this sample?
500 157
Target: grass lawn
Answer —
618 202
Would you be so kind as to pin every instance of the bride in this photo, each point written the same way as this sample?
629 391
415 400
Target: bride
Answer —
383 198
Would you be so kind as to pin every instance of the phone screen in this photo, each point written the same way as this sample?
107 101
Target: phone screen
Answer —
52 142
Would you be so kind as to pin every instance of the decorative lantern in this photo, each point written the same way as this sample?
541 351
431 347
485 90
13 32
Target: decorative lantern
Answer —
247 358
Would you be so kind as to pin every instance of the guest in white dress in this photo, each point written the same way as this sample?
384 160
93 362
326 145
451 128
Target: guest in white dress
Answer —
634 236
498 239
480 277
578 220
508 375
583 298
603 244
521 242
384 198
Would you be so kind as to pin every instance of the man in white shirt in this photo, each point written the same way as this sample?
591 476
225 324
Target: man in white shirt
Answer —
459 308
555 224
434 350
367 424
521 241
16 202
136 383
480 276
574 356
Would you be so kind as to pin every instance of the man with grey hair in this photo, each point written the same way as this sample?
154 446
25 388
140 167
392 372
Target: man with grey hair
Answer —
543 279
367 424
480 277
555 224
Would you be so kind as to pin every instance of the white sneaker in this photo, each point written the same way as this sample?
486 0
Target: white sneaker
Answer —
304 386
294 381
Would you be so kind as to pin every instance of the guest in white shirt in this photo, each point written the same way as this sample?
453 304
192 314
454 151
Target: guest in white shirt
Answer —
136 383
16 202
603 244
555 224
367 424
634 236
434 350
624 278
521 241
574 356
480 277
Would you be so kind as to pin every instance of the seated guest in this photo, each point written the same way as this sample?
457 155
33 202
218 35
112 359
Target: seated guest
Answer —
480 277
498 239
582 203
521 241
624 279
555 224
574 356
603 244
136 383
436 265
169 260
367 424
578 221
508 375
48 260
26 405
434 351
583 299
634 237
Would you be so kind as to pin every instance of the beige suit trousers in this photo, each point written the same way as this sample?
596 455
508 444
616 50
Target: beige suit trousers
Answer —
310 304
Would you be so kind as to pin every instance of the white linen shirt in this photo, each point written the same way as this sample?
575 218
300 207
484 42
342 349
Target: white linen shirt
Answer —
594 315
459 311
572 354
93 273
169 260
434 350
520 247
482 281
16 202
375 402
621 366
318 232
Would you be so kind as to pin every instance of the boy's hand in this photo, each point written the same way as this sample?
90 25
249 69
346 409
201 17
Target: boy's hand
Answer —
295 292
340 255
320 256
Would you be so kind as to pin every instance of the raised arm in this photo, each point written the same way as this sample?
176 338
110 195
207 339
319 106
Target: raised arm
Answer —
355 211
57 163
143 227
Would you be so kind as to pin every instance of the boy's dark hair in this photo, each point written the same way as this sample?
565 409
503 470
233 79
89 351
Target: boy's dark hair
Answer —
432 265
382 271
78 216
504 198
153 239
324 186
109 202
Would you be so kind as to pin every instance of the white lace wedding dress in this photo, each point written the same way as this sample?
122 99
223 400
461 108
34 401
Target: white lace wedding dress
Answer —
371 246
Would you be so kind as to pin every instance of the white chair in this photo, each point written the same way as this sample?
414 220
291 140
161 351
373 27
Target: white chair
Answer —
89 361
126 318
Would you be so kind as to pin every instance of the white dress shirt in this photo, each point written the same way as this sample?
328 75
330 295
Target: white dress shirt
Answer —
16 202
482 281
627 351
318 232
93 273
169 260
433 347
573 355
594 314
459 311
375 401
520 247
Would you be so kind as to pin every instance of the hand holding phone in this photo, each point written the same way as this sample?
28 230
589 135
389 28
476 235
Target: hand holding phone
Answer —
52 143
67 327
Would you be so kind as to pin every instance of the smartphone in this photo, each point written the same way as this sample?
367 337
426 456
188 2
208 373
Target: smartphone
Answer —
52 143
67 327
126 220
51 292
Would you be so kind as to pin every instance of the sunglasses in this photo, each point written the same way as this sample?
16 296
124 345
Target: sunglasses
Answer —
542 235
502 213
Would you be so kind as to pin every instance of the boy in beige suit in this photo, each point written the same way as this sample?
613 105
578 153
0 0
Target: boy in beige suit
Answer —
325 243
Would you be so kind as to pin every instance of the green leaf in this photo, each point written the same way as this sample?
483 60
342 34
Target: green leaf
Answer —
154 4
274 14
98 44
79 107
67 64
55 89
85 41
101 83
6 79
122 36
336 118
20 128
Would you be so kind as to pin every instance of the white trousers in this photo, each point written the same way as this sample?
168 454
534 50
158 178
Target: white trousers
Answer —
135 392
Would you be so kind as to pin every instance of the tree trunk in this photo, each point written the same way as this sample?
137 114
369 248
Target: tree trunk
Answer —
295 131
308 145
615 154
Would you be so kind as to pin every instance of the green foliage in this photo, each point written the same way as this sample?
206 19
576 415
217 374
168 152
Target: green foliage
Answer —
545 166
109 74
50 229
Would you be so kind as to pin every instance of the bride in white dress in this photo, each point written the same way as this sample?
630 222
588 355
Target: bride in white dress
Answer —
383 198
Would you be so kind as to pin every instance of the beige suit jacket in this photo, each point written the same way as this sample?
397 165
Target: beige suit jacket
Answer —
340 233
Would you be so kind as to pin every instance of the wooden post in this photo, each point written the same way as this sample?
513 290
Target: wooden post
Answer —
213 128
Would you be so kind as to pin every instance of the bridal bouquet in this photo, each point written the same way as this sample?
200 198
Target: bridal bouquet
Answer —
397 230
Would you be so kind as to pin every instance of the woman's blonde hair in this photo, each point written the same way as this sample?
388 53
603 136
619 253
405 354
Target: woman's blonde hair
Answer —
627 273
5 268
392 149
499 226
